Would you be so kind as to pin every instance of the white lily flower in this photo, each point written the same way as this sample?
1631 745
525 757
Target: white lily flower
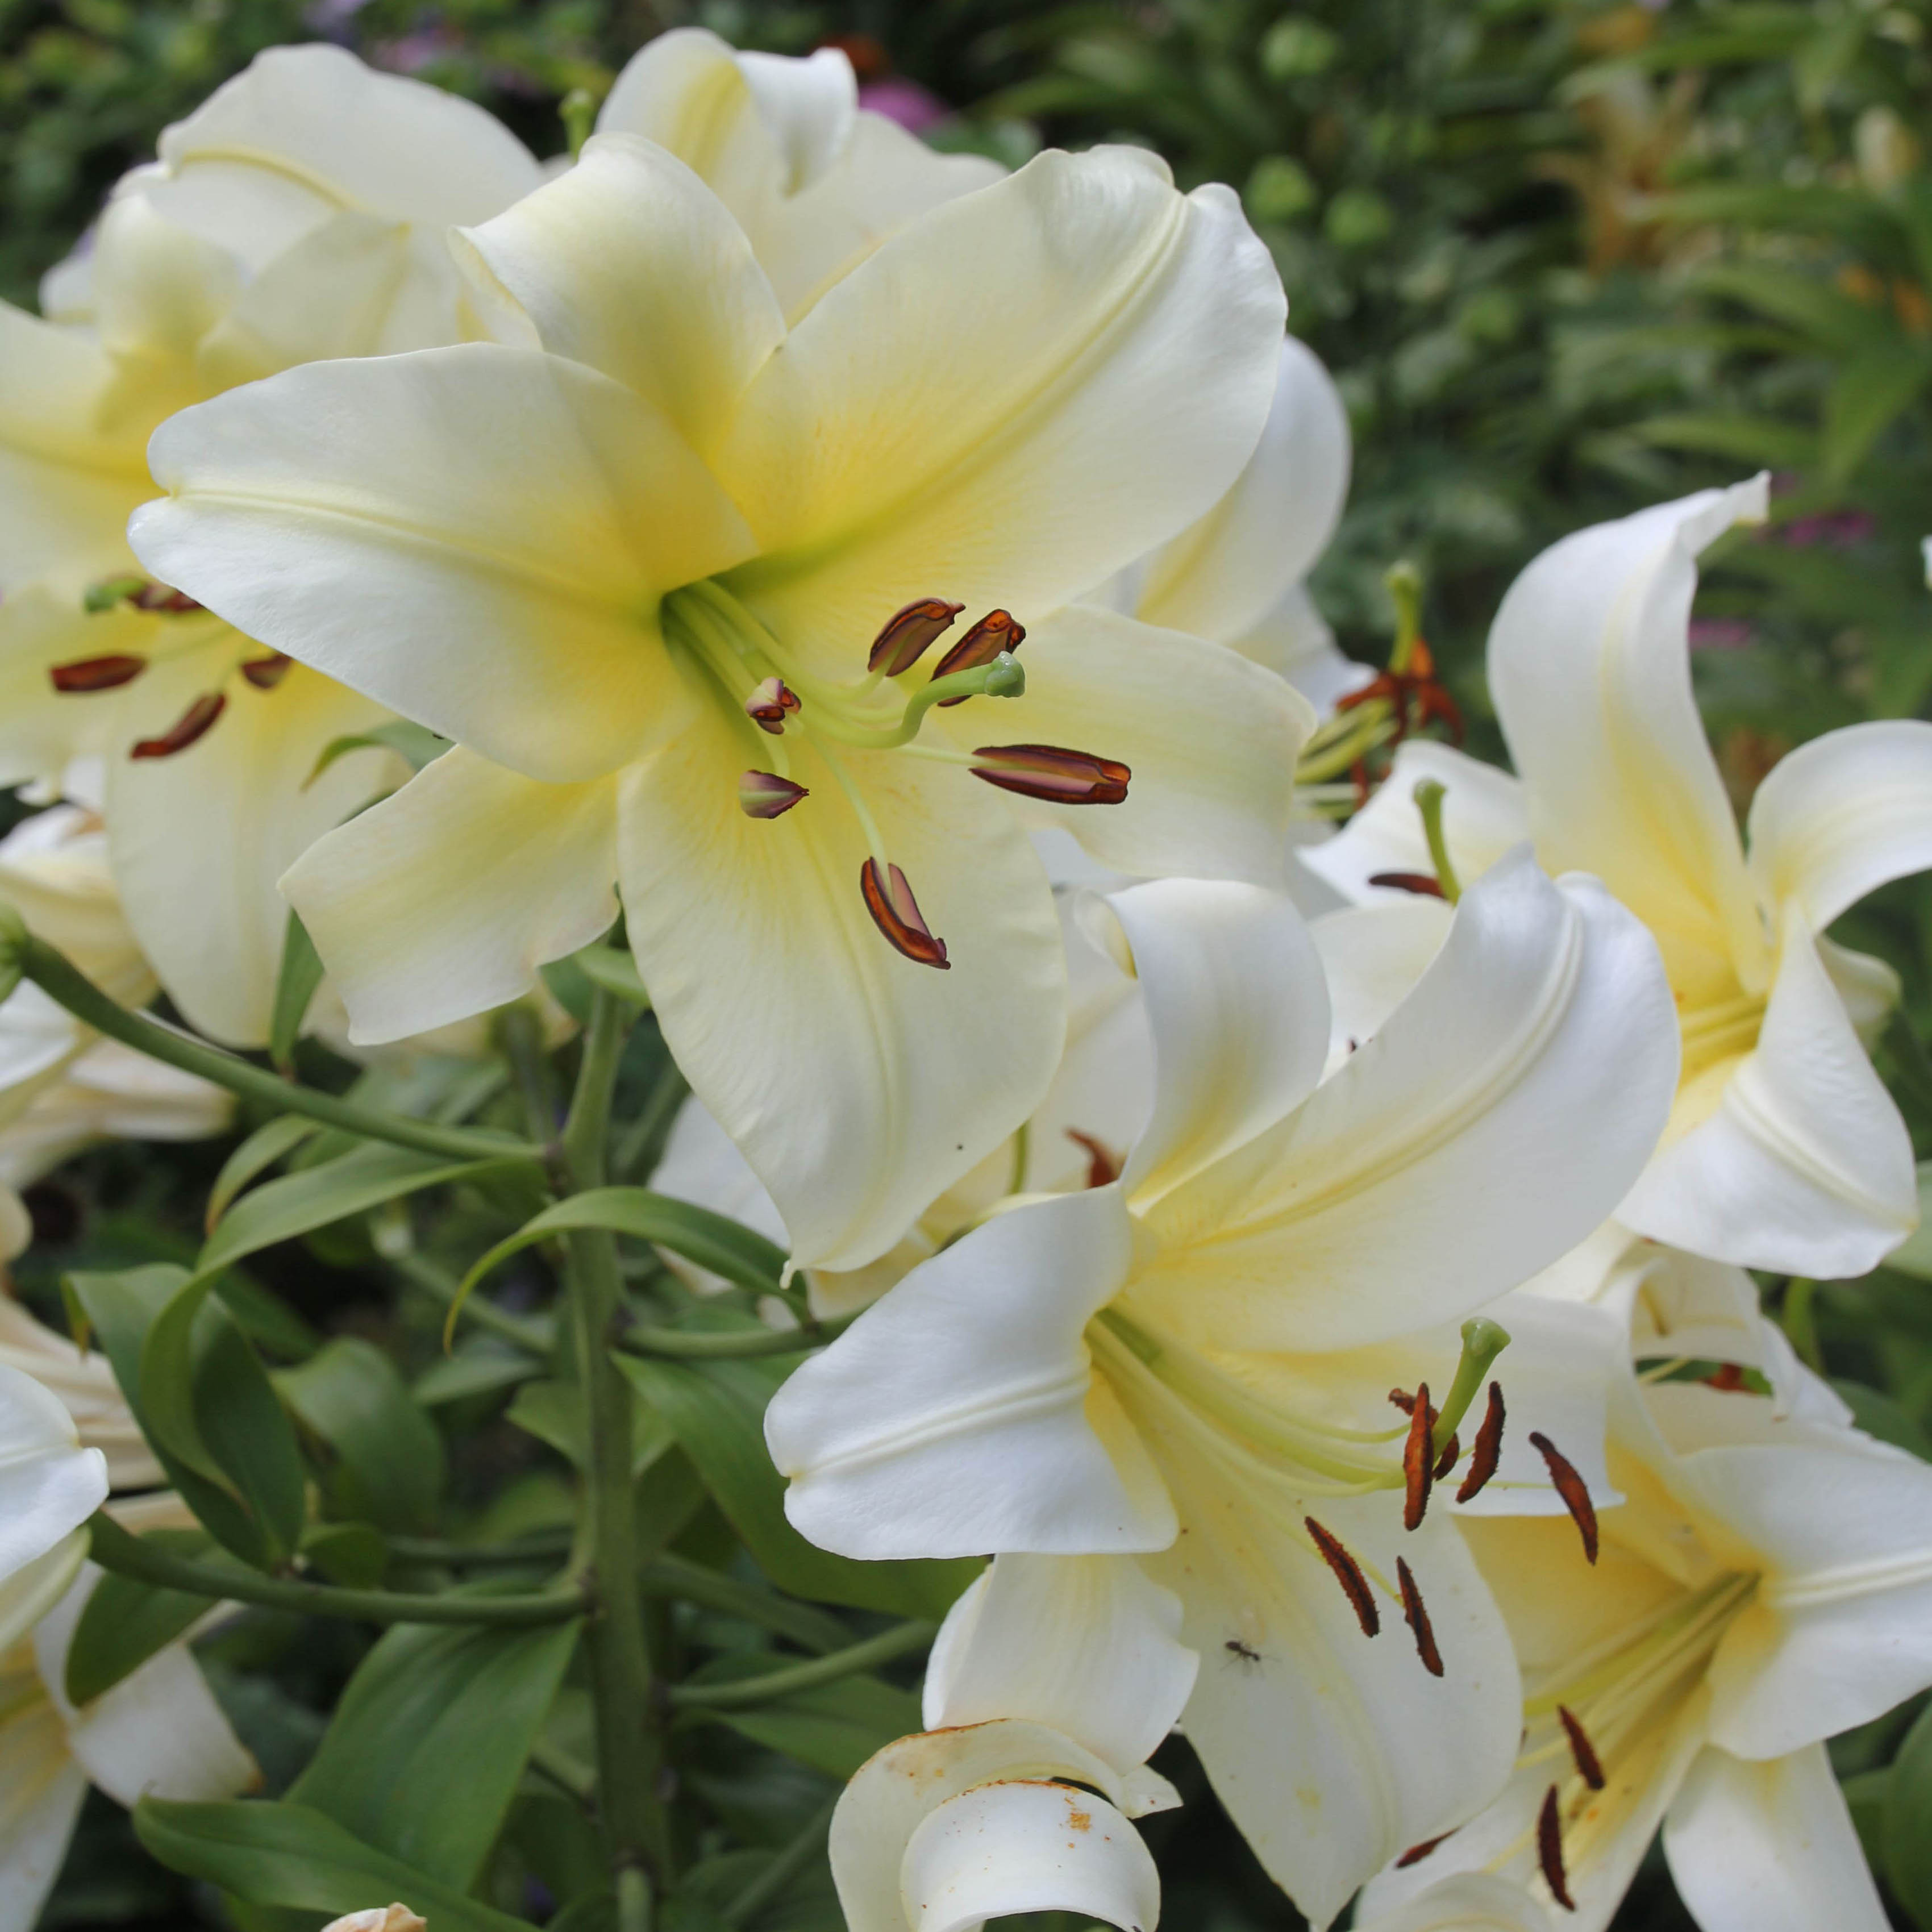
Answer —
1192 1364
50 1485
1048 1669
615 579
1785 1152
1470 1902
158 1733
379 1919
1766 1583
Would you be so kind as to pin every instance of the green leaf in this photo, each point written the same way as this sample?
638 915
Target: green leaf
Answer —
1906 1826
297 1204
716 1410
1832 319
295 987
351 1554
118 1311
389 1467
834 1728
616 971
429 1740
126 1621
723 1247
416 742
1865 395
256 1155
289 1855
473 1372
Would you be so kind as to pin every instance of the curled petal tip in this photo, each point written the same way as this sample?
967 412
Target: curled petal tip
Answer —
910 633
896 913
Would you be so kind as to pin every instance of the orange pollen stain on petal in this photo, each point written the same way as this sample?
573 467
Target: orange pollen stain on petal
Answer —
997 630
193 723
1418 1460
1349 1574
1054 773
909 633
1489 1449
1571 1487
895 913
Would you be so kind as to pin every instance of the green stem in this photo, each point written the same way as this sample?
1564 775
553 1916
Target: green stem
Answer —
540 1548
1798 1315
678 1578
115 1549
646 1135
530 1332
578 1780
690 1344
634 1900
67 987
900 1641
784 1866
628 1746
520 1035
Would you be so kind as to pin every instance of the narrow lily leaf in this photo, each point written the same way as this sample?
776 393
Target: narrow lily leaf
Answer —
292 1856
1906 1828
126 1621
723 1247
429 1740
295 987
716 1410
389 1460
256 1155
835 1728
297 1204
416 742
616 971
457 1377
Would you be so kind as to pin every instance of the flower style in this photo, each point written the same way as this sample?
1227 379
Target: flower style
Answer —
1765 1583
1191 1365
587 563
1050 1674
1785 1152
158 1733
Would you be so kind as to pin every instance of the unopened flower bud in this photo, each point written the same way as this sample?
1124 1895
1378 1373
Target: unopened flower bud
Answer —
765 795
771 704
910 633
379 1919
1054 773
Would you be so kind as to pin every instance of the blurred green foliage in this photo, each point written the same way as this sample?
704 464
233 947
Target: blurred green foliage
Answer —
1565 258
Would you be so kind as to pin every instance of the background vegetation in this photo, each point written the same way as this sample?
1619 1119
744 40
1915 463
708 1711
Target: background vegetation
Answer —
1564 258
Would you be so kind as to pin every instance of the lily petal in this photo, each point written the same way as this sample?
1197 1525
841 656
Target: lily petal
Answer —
1842 815
513 515
1373 956
442 901
785 1003
1537 1056
1294 640
630 263
1805 1167
1589 663
39 1804
49 1485
1223 574
1472 1903
1239 1014
1091 361
1084 1644
951 1417
1769 1847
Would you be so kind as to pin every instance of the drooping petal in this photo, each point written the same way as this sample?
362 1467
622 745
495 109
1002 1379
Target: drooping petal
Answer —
785 1003
1332 1750
1235 1000
199 838
49 1485
1769 1847
630 263
1842 815
1805 1167
951 1417
1084 1644
40 1797
897 1790
1483 816
1223 575
475 536
444 900
1589 663
1016 395
1210 738
1498 1116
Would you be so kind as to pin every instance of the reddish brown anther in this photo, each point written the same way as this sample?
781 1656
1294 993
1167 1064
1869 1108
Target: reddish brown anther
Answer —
265 673
1418 1460
1416 1616
1444 1463
86 674
1425 883
1550 1850
1403 1400
1416 1854
910 634
896 913
765 795
1571 1488
1349 1574
771 704
1054 773
1414 695
1589 1768
1103 1164
1488 1451
193 723
995 632
161 597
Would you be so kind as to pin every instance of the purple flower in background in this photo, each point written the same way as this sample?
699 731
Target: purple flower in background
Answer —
915 108
1838 530
414 51
333 20
1719 633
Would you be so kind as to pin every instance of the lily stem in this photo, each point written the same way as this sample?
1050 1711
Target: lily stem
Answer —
701 1345
114 1549
628 1746
785 1865
66 986
737 1692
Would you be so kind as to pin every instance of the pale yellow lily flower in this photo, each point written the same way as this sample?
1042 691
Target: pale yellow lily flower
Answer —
683 540
379 1919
